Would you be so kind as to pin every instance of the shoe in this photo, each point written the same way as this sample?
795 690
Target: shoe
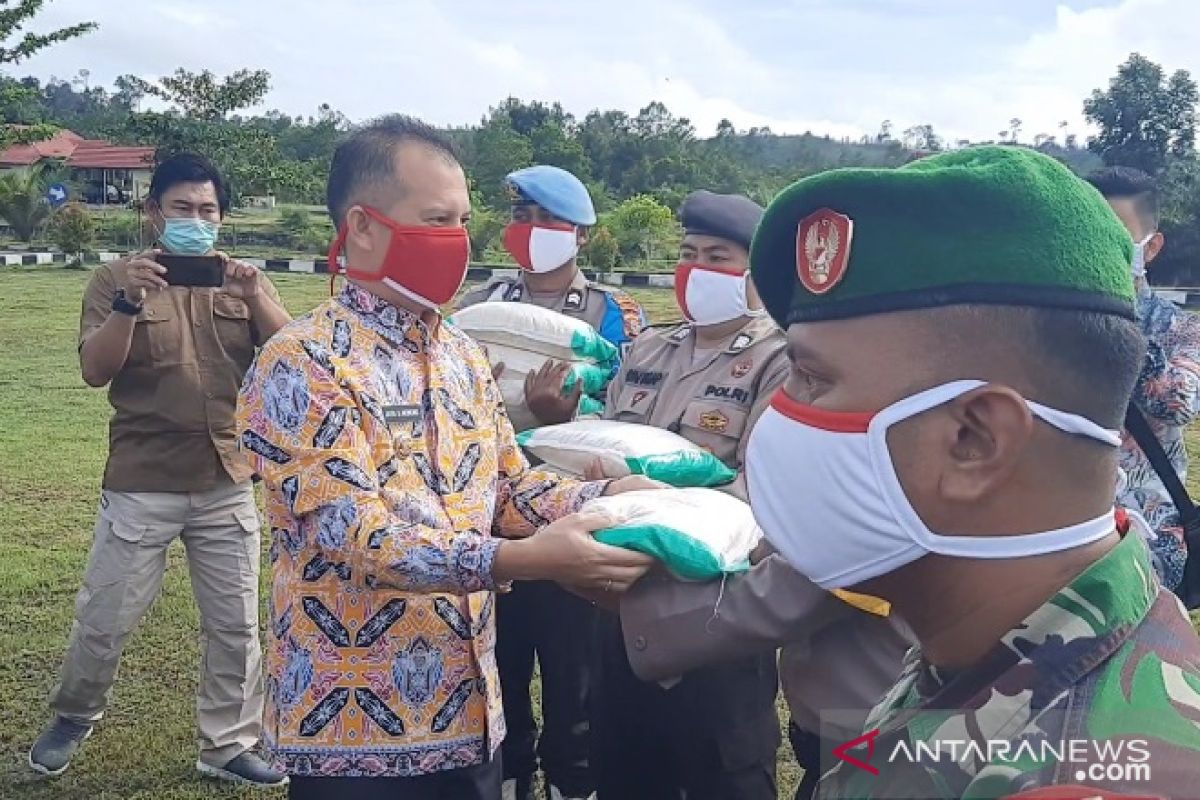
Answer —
555 794
51 754
517 789
247 769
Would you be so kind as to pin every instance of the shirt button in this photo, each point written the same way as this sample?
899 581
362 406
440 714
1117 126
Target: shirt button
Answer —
209 395
150 312
639 643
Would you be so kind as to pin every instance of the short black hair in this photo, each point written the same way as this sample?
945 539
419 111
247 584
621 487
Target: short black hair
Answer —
1083 362
366 157
1129 184
188 168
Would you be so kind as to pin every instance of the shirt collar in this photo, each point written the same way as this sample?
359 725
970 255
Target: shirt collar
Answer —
1081 625
399 326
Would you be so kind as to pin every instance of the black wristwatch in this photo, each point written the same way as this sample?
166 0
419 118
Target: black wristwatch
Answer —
121 304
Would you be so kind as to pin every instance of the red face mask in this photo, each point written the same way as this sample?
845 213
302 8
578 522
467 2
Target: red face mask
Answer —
424 264
541 248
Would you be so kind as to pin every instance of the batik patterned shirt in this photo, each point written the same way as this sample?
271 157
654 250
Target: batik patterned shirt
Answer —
1110 658
1168 394
389 463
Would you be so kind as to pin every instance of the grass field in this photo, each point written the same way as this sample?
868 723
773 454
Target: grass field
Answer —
52 449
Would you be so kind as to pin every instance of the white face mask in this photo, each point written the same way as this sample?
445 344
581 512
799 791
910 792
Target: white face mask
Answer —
711 295
1139 257
540 248
825 492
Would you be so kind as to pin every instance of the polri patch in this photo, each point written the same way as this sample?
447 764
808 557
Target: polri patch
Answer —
741 369
714 421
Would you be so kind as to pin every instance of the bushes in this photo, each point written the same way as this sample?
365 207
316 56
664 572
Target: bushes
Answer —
73 230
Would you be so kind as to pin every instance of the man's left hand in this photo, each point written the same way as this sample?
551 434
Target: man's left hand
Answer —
633 483
241 279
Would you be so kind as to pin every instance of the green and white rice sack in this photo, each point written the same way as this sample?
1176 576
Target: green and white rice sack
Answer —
523 337
625 448
698 534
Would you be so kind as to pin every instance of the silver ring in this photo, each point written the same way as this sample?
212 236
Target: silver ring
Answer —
608 585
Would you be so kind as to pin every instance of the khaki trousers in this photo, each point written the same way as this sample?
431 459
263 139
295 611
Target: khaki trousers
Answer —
220 531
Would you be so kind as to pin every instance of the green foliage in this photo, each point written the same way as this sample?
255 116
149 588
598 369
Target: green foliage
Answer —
486 228
642 228
13 19
73 228
1144 117
23 201
201 95
602 251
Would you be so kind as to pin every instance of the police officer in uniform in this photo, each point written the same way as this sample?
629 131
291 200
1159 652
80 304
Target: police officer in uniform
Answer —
714 733
551 210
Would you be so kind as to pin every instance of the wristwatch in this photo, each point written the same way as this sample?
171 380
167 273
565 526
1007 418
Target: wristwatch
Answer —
121 304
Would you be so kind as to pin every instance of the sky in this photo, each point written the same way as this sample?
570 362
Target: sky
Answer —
837 67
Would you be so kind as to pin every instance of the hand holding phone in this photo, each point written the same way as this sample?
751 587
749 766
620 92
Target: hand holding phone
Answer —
196 271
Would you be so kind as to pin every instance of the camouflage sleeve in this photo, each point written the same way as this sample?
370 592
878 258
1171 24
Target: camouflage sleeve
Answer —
300 430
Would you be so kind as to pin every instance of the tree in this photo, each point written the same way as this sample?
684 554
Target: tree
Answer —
885 132
73 230
23 203
922 137
602 250
1014 125
15 46
498 150
1144 117
200 95
129 92
642 227
485 227
14 19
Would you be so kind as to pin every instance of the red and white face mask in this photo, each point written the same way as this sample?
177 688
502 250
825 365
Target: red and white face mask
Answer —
541 248
425 264
824 490
710 295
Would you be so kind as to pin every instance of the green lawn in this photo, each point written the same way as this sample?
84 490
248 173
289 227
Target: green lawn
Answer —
52 447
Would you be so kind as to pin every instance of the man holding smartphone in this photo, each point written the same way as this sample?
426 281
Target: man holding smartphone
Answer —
172 341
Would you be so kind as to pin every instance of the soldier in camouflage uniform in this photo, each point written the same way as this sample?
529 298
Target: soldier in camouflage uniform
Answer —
963 345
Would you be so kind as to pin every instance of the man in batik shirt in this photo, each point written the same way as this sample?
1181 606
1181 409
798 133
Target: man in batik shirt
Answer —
392 474
1168 388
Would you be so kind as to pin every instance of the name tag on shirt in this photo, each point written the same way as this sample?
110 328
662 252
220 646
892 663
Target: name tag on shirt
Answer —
399 415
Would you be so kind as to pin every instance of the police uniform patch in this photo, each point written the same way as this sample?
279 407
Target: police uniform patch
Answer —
638 397
741 342
573 301
714 421
631 311
741 369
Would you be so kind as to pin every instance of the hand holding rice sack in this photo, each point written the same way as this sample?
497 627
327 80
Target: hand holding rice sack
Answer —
531 347
697 534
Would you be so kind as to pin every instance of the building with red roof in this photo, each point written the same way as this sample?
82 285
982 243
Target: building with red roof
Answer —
102 171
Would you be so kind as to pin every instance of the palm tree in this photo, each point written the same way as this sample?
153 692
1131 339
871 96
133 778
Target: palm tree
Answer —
23 203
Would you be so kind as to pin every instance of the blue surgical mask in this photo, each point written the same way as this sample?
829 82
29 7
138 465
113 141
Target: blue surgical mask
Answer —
189 236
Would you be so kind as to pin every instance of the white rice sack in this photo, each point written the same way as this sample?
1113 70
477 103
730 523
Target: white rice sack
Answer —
523 337
698 534
625 448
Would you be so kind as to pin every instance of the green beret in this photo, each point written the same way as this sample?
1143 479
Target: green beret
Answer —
996 225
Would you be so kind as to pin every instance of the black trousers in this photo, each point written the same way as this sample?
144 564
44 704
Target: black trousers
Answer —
712 736
541 620
481 782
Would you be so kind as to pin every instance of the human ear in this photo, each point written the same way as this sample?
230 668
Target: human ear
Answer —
985 438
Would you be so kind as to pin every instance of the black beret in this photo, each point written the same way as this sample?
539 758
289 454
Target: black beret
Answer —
727 216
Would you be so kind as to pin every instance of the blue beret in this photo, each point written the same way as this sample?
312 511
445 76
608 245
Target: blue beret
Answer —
726 216
556 190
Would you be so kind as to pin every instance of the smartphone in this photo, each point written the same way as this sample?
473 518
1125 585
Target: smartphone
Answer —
200 271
